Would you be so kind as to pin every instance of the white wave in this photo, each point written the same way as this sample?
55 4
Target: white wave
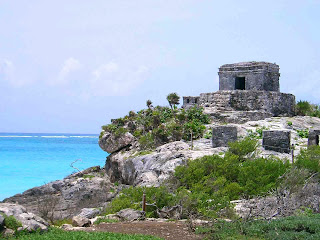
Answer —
54 136
13 136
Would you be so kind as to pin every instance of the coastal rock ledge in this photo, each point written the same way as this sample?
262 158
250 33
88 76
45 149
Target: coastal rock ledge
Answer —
29 221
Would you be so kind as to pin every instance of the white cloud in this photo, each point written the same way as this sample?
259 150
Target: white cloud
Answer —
111 79
70 65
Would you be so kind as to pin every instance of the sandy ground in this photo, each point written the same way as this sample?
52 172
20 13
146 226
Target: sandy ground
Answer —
166 230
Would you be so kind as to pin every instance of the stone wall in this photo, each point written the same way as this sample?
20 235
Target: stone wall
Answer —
258 76
313 138
190 101
222 135
276 103
278 141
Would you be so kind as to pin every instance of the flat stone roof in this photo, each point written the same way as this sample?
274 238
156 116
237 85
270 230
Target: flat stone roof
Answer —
249 66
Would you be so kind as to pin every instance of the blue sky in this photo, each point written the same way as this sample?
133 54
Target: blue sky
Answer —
71 66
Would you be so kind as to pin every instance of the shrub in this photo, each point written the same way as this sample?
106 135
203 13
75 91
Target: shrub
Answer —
260 175
303 108
243 147
132 197
309 159
11 222
160 125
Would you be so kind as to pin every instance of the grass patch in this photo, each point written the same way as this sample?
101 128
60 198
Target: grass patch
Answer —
58 234
105 220
294 227
87 176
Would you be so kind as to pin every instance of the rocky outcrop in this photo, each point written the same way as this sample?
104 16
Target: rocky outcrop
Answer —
89 212
140 169
110 142
152 169
65 198
79 221
29 221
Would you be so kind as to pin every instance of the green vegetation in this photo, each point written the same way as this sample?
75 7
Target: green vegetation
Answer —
11 222
309 159
131 198
85 176
206 185
258 133
173 99
208 134
304 133
304 108
289 123
58 234
293 227
156 126
105 220
62 221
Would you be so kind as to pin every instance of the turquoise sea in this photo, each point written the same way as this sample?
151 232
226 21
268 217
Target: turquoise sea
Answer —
33 159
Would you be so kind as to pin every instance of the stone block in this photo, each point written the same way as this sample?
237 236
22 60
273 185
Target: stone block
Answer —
222 135
313 138
275 140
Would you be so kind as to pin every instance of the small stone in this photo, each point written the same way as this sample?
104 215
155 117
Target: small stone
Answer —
8 232
79 221
129 214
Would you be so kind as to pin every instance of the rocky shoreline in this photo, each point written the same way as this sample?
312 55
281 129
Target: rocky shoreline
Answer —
127 165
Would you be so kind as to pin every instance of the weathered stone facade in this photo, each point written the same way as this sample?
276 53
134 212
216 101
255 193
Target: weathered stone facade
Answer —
222 135
258 76
276 140
276 103
247 91
313 138
190 101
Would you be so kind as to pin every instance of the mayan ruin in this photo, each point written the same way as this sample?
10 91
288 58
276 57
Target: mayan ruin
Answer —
247 91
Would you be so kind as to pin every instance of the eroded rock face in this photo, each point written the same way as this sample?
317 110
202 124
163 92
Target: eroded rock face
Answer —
152 169
30 221
111 143
67 197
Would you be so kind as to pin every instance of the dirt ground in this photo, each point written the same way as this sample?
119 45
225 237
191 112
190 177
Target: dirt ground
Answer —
166 230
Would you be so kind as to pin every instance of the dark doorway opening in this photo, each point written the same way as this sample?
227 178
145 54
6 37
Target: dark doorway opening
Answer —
240 83
317 140
188 100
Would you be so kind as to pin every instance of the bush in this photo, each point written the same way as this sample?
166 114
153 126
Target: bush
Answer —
11 222
155 127
309 159
243 147
303 108
260 175
132 198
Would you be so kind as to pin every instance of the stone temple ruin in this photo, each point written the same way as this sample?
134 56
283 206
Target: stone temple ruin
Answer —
247 91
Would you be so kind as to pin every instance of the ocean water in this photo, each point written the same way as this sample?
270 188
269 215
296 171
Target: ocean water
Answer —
28 159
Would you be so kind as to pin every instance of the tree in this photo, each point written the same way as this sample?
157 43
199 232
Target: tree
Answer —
149 104
173 99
